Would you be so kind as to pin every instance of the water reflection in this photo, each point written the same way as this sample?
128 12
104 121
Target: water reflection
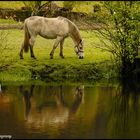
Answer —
42 111
125 112
3 97
50 107
27 94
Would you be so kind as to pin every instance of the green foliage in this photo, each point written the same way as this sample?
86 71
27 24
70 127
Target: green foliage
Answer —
79 6
100 16
97 8
69 5
123 32
126 27
8 21
29 4
34 6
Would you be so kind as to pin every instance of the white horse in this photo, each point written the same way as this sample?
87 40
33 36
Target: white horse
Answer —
51 28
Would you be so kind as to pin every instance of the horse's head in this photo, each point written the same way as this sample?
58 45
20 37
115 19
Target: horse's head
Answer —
79 49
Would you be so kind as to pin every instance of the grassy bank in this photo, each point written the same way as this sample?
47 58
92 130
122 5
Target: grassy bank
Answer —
57 69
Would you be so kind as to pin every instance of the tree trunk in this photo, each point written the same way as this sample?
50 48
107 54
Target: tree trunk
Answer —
126 68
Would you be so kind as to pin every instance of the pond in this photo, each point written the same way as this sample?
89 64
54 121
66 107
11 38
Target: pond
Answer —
69 111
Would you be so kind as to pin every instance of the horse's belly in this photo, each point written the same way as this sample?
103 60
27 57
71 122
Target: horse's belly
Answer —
53 33
48 36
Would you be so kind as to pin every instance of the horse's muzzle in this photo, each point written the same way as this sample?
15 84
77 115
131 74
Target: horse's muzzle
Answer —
81 57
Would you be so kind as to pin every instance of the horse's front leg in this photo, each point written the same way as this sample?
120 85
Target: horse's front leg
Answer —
21 52
61 49
58 39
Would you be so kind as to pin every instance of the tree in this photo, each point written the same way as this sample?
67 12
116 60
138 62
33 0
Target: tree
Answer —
123 33
36 6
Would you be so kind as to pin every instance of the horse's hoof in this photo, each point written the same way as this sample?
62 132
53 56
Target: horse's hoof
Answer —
33 57
81 57
51 57
62 57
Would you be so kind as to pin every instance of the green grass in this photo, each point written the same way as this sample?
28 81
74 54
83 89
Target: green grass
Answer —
8 21
20 70
11 4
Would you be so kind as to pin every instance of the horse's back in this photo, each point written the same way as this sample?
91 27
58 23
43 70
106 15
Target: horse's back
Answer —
33 23
48 27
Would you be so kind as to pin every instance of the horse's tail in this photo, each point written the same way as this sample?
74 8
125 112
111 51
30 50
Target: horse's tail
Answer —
26 38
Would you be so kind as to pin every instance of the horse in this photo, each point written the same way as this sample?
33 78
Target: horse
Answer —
57 28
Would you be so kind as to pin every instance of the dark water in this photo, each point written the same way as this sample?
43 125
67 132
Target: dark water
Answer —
69 112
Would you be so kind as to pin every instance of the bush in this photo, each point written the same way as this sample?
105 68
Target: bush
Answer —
96 8
100 15
69 5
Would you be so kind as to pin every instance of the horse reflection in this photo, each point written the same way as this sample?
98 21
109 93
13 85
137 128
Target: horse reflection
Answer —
54 107
79 97
27 94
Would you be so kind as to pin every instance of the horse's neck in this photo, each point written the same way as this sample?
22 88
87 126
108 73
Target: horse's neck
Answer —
75 35
75 40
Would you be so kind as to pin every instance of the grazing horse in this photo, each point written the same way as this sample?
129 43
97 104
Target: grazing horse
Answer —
51 28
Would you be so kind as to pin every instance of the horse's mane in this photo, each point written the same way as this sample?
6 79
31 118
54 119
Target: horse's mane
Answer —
74 31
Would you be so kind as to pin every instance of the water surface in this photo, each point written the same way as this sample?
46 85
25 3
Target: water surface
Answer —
67 111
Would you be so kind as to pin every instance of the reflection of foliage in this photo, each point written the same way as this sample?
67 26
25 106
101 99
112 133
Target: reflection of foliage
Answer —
125 110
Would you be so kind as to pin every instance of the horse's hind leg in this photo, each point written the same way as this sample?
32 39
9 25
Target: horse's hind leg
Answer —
61 49
58 39
32 41
32 52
